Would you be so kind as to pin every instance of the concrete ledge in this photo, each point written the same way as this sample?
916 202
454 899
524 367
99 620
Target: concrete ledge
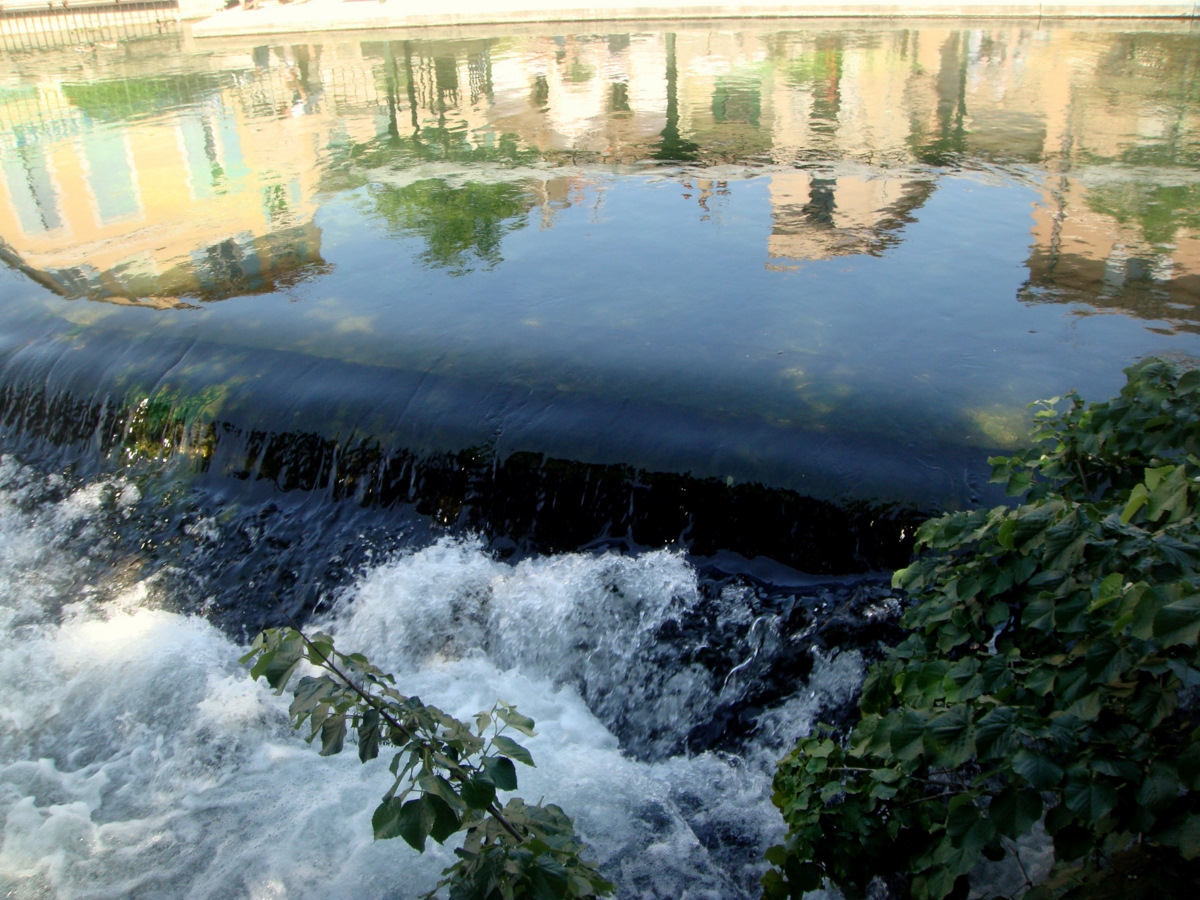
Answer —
359 15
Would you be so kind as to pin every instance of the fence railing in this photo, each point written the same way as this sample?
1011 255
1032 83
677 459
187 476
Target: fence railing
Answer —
33 24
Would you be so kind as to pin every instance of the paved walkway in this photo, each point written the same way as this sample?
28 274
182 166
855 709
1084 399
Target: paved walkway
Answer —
332 15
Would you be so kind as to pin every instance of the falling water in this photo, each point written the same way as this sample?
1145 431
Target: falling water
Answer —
139 759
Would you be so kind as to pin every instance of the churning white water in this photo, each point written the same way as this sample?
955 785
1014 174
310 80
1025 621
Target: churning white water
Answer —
138 760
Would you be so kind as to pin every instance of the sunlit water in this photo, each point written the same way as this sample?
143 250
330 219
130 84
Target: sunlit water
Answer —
284 325
139 760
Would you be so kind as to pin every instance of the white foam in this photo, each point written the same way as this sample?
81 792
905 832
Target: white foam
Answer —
138 759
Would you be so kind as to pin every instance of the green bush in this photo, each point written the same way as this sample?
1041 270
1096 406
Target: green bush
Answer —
1049 677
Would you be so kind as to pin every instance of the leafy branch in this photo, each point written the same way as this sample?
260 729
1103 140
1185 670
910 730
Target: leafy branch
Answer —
446 773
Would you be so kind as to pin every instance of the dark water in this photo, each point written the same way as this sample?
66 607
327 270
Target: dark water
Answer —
606 373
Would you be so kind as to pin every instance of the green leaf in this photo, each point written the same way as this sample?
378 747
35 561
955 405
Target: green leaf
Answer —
996 732
1070 613
1087 707
478 792
514 719
997 614
908 736
887 776
1015 811
877 690
548 880
1178 622
1031 525
956 856
445 820
969 828
410 820
1038 769
1018 483
1106 660
510 748
1064 546
1089 799
309 692
949 738
1137 499
546 864
368 735
1140 606
962 681
1159 790
1072 682
995 673
1189 764
1117 768
438 786
1004 535
260 664
414 757
1152 704
1107 591
277 666
502 772
821 749
1041 680
1189 382
883 791
1168 492
1189 837
333 735
1039 612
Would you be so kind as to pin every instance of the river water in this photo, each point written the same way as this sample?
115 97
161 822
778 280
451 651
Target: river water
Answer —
604 373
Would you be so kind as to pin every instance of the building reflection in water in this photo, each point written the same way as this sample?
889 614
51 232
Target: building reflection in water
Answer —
204 184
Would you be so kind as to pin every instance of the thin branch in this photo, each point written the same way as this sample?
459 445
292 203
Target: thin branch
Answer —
492 809
964 788
1082 478
869 770
1016 852
929 797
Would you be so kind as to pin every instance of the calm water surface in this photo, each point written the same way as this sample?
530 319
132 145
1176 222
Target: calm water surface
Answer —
838 260
285 323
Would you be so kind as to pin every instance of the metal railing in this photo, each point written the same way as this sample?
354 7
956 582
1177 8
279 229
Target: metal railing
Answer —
36 24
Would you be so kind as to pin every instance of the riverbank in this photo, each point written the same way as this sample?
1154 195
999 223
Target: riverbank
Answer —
353 15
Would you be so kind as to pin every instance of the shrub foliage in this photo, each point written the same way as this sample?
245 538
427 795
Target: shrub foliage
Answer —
1049 679
447 774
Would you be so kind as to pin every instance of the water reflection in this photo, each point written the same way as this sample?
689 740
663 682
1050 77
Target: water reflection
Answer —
461 226
1121 246
155 188
818 214
101 153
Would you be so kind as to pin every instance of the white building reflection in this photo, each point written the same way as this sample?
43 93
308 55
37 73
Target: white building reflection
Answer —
205 184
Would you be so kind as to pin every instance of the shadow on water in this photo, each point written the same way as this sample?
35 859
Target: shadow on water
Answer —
522 502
